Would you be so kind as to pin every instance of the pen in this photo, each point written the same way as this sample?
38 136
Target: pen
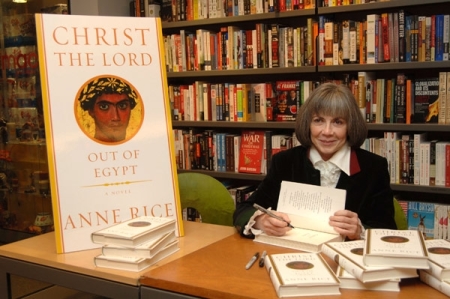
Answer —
252 261
261 260
265 211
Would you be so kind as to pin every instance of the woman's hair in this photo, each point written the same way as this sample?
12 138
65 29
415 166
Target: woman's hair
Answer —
335 100
105 85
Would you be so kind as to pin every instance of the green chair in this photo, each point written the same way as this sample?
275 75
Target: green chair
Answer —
399 215
208 196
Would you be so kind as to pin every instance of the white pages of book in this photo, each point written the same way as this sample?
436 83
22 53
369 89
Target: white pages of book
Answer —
310 206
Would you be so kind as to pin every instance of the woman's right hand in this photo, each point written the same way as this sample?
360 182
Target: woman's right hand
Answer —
272 226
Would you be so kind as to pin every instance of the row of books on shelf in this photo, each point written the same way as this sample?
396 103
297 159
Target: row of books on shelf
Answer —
384 37
136 244
233 48
402 99
188 10
333 3
247 152
380 38
413 159
240 102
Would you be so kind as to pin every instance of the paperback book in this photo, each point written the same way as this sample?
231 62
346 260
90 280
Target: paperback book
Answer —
349 256
395 248
309 218
301 274
134 231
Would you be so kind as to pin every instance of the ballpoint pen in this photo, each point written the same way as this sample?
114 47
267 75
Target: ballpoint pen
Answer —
265 211
261 260
252 261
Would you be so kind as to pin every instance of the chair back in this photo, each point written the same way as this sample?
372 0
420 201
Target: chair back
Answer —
399 215
208 196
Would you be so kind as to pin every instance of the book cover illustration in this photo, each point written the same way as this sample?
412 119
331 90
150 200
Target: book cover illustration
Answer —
426 100
421 217
109 137
285 104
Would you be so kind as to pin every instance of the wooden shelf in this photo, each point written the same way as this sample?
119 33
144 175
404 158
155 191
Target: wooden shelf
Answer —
291 125
274 16
375 6
260 177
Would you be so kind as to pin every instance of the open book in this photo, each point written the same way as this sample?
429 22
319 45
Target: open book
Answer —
309 208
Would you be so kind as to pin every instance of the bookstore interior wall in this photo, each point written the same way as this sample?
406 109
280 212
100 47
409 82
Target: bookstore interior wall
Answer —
25 203
389 72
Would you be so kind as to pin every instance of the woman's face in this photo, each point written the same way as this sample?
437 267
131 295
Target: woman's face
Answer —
328 134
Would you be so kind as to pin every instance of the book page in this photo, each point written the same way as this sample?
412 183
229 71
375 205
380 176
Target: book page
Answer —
310 206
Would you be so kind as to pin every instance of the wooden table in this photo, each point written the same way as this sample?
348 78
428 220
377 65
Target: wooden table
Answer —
36 258
218 271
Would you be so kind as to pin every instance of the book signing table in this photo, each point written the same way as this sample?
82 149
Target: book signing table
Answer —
210 264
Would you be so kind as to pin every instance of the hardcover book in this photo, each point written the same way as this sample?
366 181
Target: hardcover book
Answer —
347 281
310 219
251 152
146 250
439 258
421 217
286 102
134 231
442 286
301 274
395 248
135 264
107 125
349 256
426 100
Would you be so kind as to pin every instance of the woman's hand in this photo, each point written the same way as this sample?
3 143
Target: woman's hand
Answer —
346 223
272 226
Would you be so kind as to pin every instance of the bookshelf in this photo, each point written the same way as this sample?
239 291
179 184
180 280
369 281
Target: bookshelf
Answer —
383 70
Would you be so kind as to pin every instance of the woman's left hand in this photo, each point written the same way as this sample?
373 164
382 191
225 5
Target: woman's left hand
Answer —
346 223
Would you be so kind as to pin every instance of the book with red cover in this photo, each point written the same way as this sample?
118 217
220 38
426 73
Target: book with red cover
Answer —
251 151
286 101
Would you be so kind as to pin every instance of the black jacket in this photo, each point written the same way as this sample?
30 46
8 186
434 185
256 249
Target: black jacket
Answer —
368 187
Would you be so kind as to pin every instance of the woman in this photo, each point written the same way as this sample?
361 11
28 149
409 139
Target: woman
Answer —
331 129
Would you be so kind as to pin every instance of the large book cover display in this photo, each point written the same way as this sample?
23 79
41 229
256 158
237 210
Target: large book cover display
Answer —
108 124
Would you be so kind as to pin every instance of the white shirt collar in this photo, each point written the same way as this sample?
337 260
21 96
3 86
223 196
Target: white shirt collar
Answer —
341 158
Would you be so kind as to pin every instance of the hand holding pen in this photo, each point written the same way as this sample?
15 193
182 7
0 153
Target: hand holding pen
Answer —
268 212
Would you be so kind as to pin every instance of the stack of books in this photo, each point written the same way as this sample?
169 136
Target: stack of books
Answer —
353 273
438 275
381 260
136 244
